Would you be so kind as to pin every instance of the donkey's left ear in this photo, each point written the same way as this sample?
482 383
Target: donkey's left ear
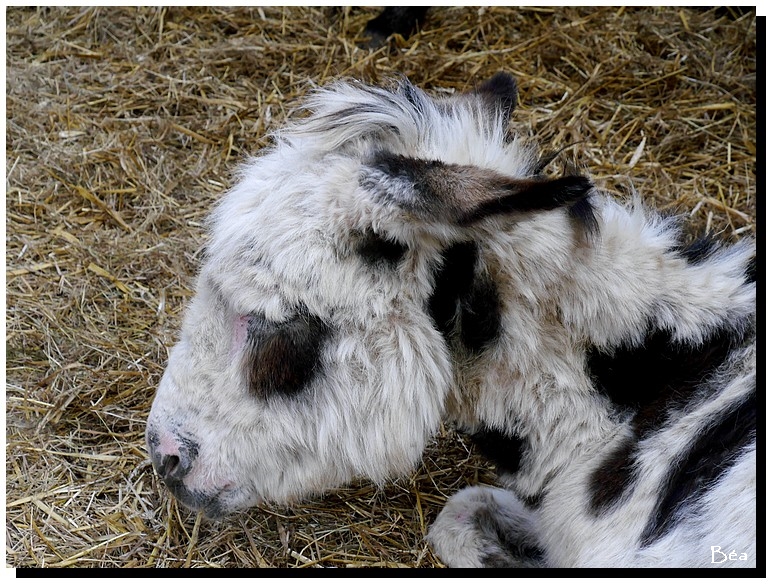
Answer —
433 191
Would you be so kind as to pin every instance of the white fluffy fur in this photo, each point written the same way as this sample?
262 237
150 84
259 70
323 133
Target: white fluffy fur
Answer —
282 237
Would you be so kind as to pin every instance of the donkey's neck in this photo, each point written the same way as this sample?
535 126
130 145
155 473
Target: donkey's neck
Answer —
532 414
521 356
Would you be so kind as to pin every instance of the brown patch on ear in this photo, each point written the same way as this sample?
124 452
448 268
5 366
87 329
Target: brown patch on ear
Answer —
532 195
463 195
282 358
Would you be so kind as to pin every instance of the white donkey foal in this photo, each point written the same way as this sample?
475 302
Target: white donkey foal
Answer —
395 260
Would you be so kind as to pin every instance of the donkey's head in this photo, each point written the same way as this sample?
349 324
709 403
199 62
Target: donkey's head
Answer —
317 346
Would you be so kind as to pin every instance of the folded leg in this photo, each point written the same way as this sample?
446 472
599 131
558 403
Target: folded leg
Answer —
486 527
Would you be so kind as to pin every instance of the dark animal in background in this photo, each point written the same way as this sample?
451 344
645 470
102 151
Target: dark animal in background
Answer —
394 19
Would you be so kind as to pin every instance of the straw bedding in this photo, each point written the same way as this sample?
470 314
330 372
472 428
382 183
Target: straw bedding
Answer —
123 127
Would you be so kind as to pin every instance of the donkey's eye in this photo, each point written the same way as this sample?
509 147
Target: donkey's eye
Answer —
282 358
379 251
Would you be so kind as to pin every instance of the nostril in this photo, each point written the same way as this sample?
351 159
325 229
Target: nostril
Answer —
172 455
169 464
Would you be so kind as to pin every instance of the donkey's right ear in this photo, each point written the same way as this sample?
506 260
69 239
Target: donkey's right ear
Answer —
432 191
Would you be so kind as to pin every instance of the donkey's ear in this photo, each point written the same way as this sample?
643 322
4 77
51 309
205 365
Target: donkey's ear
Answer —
462 195
501 92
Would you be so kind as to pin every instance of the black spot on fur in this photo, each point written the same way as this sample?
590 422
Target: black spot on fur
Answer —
480 314
698 250
610 480
504 450
465 305
453 281
659 374
713 452
533 501
379 251
652 381
282 358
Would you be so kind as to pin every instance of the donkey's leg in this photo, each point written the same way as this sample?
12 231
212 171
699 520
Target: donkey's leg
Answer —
486 527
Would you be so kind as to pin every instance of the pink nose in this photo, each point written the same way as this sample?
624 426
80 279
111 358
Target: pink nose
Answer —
172 456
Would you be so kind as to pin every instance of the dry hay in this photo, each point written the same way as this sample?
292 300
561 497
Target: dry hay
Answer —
125 124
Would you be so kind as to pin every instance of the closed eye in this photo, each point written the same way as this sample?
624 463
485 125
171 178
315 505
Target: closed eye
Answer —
283 358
